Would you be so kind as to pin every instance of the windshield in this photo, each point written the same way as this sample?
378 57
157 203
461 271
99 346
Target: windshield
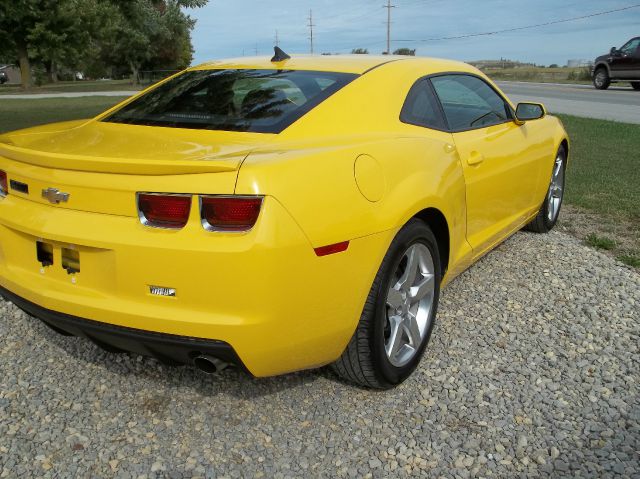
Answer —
262 101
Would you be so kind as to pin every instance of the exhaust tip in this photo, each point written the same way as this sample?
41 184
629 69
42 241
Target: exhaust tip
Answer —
209 364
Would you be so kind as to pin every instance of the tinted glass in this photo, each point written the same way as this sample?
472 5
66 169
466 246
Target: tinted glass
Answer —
468 102
263 101
631 46
421 107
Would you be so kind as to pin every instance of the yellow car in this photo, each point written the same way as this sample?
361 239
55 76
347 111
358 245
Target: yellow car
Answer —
277 214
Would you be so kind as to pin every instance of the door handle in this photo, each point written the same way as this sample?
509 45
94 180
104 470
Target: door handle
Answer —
475 158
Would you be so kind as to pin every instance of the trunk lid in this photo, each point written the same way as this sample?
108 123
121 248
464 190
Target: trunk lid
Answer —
101 166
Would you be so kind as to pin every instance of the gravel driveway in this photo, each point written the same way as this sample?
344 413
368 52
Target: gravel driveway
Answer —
533 370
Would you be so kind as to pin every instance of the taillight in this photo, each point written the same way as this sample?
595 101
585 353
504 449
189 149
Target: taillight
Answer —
4 188
163 210
229 213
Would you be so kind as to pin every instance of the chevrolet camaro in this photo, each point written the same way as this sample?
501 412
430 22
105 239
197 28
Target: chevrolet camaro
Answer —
277 214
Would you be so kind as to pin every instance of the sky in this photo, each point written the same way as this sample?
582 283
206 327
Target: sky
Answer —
232 28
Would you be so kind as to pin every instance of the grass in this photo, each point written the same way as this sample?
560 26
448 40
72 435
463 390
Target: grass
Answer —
581 75
600 242
16 114
603 186
604 168
630 260
72 86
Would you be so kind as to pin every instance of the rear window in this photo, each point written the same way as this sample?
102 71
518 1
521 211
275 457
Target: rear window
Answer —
262 101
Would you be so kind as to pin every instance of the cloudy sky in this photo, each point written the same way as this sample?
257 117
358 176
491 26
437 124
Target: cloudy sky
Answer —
228 28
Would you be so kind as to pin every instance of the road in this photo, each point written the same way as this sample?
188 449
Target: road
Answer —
619 103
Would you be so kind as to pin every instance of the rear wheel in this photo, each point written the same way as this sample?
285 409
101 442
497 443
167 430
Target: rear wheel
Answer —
635 85
399 314
550 210
601 79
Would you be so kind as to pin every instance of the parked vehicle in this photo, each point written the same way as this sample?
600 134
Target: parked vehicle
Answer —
621 64
277 214
4 78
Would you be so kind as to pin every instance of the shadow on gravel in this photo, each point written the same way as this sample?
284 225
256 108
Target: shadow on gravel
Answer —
231 381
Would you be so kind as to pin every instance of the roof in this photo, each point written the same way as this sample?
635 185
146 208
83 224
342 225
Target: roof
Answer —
334 63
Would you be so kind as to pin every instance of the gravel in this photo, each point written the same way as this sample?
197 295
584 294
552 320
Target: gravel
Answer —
533 371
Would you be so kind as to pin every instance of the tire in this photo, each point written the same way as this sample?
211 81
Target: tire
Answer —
549 212
601 79
635 85
366 360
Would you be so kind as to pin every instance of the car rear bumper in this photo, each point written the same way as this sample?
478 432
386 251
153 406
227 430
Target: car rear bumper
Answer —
264 293
166 348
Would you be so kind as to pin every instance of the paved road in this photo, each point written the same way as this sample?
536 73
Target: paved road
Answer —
619 103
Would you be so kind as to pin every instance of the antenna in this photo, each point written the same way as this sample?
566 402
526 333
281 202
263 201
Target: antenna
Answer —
311 25
279 55
388 6
277 40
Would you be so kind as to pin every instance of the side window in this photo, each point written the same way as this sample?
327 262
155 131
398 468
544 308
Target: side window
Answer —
469 102
421 107
631 47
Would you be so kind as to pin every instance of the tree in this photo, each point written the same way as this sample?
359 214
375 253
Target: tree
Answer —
64 35
18 18
405 51
360 51
101 35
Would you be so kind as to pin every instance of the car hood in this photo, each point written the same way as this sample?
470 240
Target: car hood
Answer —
90 145
602 58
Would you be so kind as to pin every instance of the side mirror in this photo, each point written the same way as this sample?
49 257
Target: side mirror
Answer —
613 51
529 111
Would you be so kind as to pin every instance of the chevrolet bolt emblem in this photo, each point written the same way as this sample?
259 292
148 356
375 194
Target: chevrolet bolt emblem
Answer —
55 196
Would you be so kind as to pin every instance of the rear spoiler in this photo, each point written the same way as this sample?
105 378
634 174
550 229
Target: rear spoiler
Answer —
206 164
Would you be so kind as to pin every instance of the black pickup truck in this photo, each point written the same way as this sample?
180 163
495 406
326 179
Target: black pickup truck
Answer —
620 64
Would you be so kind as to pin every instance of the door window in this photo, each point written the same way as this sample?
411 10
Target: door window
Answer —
631 47
469 102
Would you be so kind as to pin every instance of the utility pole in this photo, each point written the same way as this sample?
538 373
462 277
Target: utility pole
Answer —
388 6
256 49
277 41
311 25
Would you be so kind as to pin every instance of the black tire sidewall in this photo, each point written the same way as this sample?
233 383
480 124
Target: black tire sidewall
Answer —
605 83
414 232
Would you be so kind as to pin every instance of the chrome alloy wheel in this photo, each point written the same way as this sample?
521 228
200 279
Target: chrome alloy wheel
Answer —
409 305
556 189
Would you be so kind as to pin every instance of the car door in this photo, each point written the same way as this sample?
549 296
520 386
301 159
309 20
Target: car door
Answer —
625 61
501 171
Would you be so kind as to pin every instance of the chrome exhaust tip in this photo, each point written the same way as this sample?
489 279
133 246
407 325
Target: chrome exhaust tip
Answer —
209 364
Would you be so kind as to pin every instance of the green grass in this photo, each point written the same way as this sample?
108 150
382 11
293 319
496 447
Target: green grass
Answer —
71 86
16 114
580 75
600 242
604 166
630 260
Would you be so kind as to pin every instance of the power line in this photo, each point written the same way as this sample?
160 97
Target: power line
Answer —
311 25
388 6
507 30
